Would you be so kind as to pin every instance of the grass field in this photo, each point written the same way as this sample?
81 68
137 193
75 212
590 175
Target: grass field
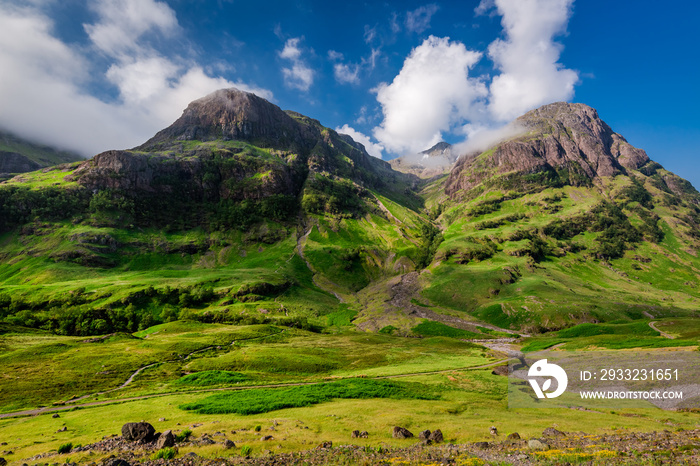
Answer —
470 402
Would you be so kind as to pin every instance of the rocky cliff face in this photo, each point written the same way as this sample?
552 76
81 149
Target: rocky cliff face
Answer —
568 140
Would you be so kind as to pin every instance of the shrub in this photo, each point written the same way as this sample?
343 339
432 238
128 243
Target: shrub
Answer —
65 448
164 453
183 436
258 428
246 450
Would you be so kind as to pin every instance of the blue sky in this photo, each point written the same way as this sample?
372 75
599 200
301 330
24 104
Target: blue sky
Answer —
397 76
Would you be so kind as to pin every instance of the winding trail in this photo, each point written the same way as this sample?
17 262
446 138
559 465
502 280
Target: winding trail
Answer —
661 332
37 411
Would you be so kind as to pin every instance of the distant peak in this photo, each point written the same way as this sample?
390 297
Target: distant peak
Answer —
438 148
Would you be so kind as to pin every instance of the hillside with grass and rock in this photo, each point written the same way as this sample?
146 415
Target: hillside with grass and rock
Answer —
248 264
17 155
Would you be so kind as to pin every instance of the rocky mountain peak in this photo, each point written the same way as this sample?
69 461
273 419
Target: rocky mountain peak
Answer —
229 114
441 148
429 163
569 141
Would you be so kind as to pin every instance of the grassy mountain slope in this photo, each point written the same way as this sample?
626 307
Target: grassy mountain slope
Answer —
566 223
18 155
209 228
240 212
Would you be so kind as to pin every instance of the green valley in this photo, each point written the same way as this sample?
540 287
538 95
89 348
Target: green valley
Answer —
249 267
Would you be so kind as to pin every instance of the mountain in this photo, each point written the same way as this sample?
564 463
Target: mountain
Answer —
435 161
242 212
18 155
565 223
567 143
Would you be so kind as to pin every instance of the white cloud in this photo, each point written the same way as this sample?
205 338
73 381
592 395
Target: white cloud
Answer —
372 148
371 61
123 22
346 74
349 73
45 97
291 50
431 94
418 20
333 55
299 75
481 137
484 7
370 34
139 80
528 58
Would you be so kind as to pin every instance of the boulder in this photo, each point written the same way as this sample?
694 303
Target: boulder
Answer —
228 444
513 436
138 431
436 436
266 438
206 440
500 370
3 461
482 445
537 444
326 445
364 434
424 435
401 432
116 462
355 434
552 432
55 416
165 440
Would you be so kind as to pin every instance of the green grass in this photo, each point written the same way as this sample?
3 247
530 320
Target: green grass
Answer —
587 330
41 368
266 400
209 378
341 318
438 329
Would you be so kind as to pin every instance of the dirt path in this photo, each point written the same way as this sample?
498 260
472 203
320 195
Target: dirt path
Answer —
663 334
34 412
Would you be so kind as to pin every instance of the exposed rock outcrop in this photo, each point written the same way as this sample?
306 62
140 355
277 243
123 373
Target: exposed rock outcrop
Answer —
568 141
